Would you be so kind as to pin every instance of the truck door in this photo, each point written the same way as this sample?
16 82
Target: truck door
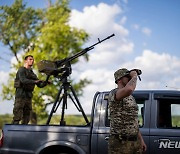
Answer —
165 124
104 121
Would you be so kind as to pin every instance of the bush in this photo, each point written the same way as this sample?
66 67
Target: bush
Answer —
5 119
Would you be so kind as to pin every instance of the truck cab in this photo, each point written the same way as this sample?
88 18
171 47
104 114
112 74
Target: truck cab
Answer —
159 121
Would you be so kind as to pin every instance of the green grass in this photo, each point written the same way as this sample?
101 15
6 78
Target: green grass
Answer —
73 120
5 118
69 119
176 121
55 120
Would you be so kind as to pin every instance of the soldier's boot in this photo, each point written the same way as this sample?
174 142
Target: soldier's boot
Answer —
16 122
26 116
16 119
18 112
25 120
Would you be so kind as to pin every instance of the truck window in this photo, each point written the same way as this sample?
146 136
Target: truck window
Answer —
141 106
140 112
168 114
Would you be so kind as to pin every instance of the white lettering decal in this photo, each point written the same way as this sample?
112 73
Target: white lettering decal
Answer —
163 144
168 144
177 145
171 144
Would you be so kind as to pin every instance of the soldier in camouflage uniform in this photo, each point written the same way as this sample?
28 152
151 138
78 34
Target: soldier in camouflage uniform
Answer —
125 137
24 83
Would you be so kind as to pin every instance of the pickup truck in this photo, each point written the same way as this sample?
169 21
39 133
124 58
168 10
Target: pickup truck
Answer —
159 121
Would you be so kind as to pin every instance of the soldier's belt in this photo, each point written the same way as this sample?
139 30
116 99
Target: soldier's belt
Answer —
125 138
129 138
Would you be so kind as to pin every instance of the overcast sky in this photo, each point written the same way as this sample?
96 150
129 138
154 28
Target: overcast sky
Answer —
147 37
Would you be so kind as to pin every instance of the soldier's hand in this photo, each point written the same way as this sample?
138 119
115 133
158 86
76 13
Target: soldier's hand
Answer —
49 82
38 81
133 73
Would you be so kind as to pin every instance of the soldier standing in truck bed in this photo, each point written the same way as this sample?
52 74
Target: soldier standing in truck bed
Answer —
24 83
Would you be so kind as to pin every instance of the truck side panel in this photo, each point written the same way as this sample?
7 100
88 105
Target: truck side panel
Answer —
29 139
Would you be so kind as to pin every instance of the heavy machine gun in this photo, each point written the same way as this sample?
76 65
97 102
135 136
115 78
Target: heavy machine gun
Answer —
62 69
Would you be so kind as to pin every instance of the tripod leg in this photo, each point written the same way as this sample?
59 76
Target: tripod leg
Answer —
57 105
77 100
54 106
62 122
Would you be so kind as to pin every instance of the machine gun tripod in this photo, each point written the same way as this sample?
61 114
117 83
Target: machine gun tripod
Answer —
52 68
66 86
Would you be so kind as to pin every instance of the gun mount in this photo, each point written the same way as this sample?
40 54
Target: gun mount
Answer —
62 69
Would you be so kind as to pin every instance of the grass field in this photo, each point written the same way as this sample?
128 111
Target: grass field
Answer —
73 120
55 120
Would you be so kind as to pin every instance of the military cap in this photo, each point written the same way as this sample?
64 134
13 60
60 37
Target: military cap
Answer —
120 73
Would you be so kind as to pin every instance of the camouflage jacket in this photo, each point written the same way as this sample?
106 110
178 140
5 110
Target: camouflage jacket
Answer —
123 115
25 83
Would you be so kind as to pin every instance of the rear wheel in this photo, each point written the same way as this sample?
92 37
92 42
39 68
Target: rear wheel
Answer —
58 150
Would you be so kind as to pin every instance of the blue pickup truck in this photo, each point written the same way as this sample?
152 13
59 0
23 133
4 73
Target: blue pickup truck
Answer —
159 120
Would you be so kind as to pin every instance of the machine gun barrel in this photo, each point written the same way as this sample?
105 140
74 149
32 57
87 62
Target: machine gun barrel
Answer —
69 59
59 66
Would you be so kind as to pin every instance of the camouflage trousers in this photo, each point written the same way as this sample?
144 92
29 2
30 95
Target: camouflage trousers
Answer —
22 109
117 146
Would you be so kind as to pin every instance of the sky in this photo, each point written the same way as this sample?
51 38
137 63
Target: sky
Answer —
146 37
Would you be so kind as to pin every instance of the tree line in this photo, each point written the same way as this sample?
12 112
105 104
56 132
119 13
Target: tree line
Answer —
46 34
